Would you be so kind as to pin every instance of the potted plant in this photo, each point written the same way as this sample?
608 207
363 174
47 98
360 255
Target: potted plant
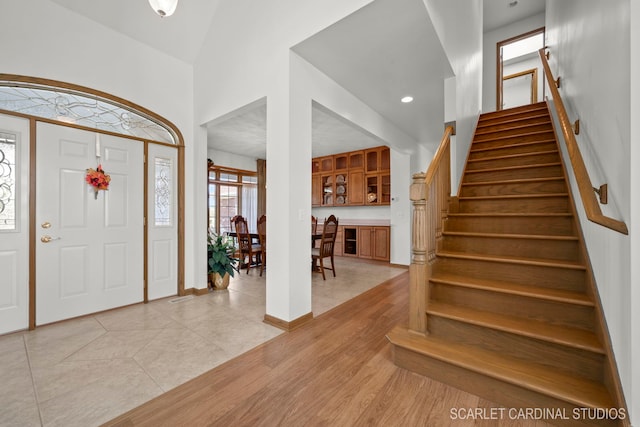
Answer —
222 264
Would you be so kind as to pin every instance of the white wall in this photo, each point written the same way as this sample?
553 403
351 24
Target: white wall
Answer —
42 39
231 160
460 32
590 49
490 41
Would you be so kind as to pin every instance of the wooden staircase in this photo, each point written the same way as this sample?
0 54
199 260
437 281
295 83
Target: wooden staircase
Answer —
511 313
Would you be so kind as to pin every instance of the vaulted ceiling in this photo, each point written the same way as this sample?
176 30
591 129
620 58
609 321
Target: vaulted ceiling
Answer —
390 53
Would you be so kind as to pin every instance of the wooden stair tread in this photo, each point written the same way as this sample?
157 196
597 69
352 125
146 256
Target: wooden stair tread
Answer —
514 260
510 214
539 292
564 335
504 168
510 112
514 196
482 121
479 130
511 236
514 181
545 380
519 135
517 145
513 156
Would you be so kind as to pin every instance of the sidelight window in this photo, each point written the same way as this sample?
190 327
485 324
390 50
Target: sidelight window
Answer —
8 186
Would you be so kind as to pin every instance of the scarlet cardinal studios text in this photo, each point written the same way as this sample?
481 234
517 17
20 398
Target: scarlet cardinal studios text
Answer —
538 413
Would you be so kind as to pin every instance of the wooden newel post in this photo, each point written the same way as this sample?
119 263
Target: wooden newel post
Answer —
418 270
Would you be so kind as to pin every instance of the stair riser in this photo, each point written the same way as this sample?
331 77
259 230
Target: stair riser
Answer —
509 150
520 160
519 188
485 126
486 121
493 389
551 171
565 250
531 275
503 140
543 225
484 136
584 364
558 313
546 204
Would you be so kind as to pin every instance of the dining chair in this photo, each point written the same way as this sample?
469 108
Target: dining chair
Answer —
262 237
246 246
327 243
314 229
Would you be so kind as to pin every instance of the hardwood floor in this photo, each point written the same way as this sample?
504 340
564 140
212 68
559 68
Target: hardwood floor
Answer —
335 371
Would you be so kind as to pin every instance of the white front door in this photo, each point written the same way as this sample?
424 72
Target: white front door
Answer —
14 224
89 250
162 227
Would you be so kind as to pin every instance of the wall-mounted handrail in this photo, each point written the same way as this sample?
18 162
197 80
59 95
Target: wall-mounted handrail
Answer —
588 196
429 193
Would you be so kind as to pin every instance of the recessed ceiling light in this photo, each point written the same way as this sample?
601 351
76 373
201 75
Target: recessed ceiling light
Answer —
407 99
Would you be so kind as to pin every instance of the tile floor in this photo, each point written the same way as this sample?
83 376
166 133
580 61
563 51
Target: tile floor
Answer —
87 371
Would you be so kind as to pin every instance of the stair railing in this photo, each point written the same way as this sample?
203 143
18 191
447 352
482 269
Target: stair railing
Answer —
430 193
587 194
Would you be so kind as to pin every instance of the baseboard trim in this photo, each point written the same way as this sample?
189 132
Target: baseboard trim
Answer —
405 266
196 292
288 326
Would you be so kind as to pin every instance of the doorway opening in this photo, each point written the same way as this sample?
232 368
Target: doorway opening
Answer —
518 80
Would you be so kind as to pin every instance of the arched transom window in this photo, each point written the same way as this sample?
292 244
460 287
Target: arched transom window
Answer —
81 108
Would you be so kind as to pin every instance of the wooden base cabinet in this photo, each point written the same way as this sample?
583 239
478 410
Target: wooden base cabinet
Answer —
374 243
362 241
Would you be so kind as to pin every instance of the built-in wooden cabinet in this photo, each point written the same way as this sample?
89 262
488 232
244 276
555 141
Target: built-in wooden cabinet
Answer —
353 178
371 242
363 241
377 176
374 242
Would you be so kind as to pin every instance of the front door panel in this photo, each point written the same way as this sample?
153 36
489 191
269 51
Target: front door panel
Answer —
89 249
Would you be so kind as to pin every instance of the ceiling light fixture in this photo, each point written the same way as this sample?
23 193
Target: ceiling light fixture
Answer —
407 99
164 7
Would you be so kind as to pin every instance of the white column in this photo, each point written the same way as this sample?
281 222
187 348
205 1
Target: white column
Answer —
288 198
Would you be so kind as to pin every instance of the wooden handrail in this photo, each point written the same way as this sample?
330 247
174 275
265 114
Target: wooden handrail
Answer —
429 193
589 200
437 158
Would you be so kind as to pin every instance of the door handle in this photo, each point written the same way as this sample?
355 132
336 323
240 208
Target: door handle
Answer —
46 224
47 239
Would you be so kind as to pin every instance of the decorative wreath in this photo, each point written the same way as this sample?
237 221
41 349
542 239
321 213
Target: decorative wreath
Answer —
98 179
